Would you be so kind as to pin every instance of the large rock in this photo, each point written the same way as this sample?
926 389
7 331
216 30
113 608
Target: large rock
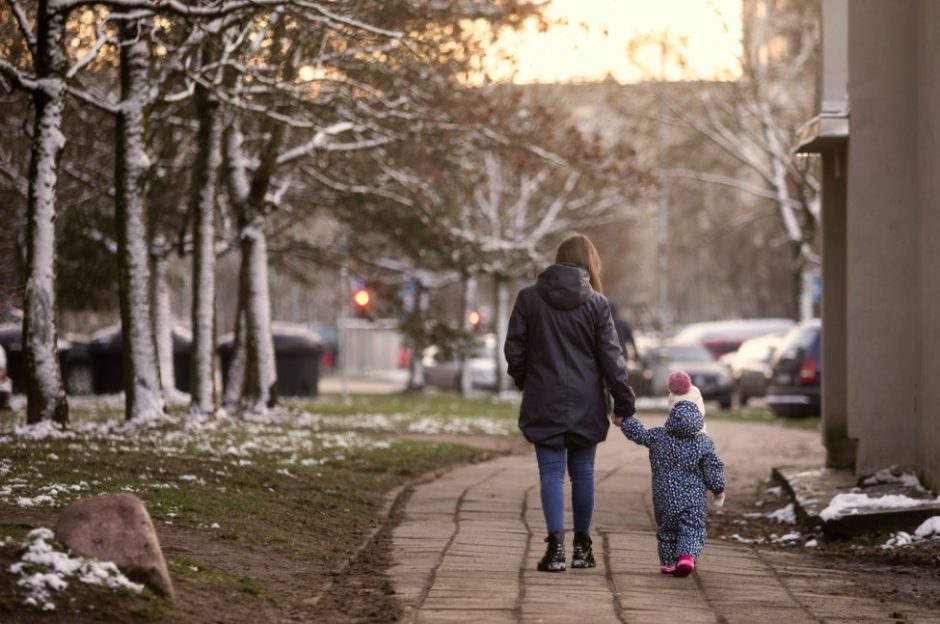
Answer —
116 527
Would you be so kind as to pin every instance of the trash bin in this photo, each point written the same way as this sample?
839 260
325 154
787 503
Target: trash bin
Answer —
297 353
77 371
11 338
107 359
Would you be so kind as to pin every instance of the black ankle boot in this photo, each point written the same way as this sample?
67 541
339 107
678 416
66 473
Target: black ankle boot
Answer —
554 559
582 556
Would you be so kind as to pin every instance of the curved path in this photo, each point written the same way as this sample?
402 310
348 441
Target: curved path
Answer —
467 548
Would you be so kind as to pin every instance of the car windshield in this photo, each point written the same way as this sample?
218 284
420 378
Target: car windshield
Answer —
689 354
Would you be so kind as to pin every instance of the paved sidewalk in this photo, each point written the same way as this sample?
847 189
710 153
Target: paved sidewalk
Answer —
467 548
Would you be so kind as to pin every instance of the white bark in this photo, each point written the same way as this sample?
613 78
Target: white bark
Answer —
468 298
261 391
205 184
45 390
235 377
163 324
501 325
143 398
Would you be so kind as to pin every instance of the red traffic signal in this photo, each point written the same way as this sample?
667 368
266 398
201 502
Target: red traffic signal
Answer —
474 318
362 298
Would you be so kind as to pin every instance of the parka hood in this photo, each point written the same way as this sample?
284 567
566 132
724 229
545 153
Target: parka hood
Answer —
685 420
564 286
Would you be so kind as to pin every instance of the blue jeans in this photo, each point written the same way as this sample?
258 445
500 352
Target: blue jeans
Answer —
552 476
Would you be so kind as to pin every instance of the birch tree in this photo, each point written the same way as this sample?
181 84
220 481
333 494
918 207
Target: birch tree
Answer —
46 84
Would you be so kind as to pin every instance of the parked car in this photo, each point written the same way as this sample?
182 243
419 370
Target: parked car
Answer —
6 386
711 377
721 337
442 370
796 374
750 367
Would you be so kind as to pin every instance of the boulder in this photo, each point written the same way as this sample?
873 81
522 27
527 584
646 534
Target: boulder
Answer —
116 527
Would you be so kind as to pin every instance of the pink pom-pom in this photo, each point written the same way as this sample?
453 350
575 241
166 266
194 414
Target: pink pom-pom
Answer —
678 382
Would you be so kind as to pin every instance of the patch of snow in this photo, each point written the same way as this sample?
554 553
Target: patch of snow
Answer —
777 490
811 543
744 540
42 430
44 570
929 527
786 515
787 538
901 538
886 475
851 503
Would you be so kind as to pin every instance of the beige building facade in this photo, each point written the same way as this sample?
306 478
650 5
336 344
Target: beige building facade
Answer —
879 136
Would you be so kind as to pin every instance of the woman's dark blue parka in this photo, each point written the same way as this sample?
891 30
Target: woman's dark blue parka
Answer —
561 348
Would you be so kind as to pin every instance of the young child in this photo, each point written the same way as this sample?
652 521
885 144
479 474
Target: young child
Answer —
684 465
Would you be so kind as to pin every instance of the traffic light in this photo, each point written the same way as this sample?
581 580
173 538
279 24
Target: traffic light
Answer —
474 318
362 298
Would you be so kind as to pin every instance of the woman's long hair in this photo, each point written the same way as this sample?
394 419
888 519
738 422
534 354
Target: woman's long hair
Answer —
578 249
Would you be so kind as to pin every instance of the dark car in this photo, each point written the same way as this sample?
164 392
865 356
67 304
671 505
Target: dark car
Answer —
794 388
711 377
750 367
721 337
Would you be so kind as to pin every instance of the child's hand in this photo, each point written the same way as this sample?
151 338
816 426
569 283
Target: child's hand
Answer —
719 499
617 420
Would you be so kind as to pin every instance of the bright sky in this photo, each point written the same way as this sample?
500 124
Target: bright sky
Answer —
593 42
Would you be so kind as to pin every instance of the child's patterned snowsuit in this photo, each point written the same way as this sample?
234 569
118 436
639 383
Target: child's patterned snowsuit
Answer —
684 463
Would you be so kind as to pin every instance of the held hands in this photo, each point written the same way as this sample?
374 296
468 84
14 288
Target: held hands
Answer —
719 499
617 420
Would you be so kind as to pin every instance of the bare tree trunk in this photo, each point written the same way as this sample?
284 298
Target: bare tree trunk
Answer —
500 325
235 377
467 297
45 391
163 324
260 386
205 185
261 377
416 380
143 398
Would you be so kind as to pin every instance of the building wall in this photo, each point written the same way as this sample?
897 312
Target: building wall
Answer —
892 225
928 157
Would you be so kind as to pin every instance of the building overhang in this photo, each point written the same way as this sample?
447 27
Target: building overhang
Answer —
823 132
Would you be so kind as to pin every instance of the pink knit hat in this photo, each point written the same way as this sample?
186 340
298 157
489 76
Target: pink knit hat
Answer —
678 382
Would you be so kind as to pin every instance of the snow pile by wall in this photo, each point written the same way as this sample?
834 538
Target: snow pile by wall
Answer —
848 503
928 528
44 570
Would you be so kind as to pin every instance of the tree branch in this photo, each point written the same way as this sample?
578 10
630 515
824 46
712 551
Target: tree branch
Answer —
23 23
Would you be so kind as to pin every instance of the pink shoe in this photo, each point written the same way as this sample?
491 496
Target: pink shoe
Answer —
668 568
684 565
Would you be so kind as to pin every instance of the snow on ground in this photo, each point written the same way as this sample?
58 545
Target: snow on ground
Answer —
43 570
929 528
786 515
887 475
848 503
286 437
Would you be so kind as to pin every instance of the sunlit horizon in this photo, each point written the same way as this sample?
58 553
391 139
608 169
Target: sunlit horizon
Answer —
588 41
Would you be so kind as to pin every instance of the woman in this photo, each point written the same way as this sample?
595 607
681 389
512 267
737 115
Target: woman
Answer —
562 348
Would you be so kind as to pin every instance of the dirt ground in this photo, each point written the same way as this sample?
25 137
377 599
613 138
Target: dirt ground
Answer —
227 578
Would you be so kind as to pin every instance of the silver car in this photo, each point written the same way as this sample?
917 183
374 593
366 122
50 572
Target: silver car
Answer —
444 372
